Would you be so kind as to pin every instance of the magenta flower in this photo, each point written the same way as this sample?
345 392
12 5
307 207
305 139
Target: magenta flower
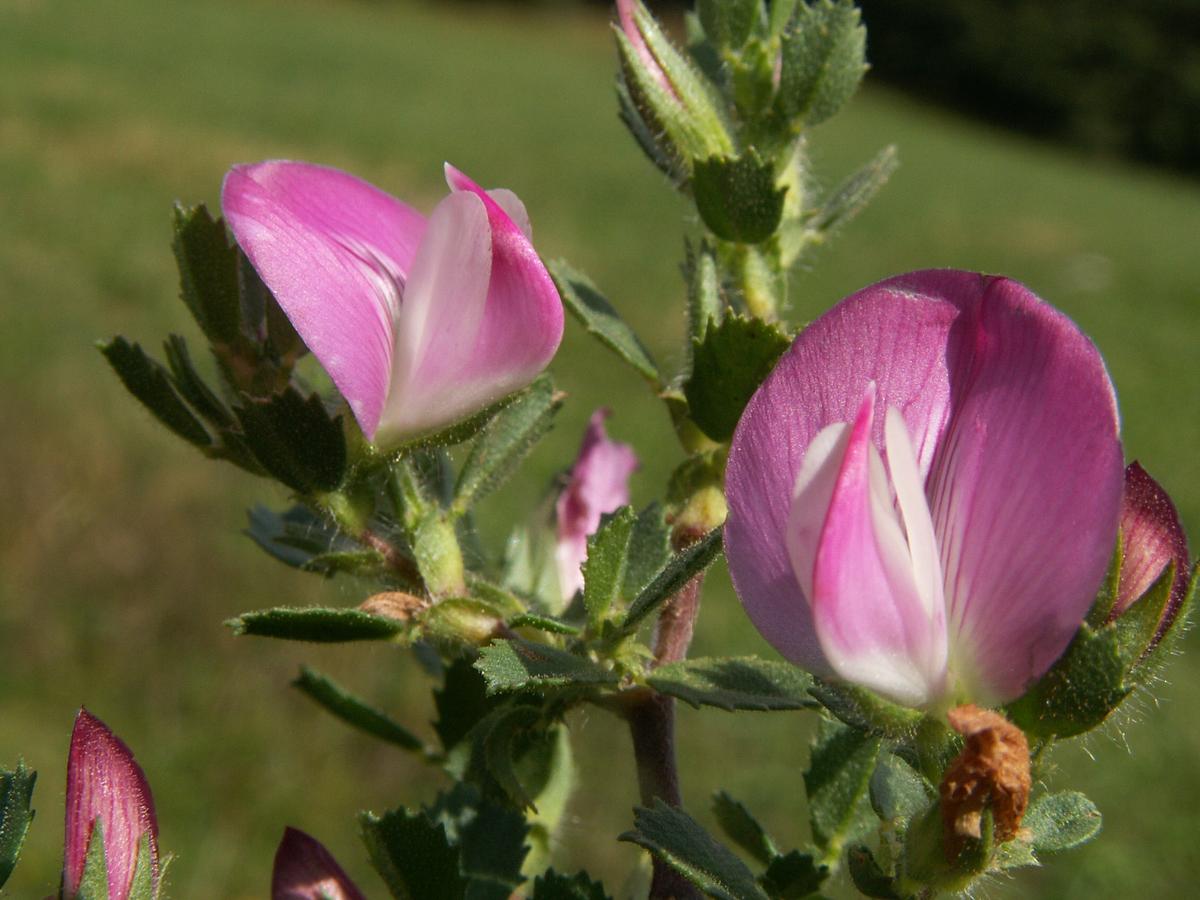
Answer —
305 870
924 494
598 484
1151 539
419 322
106 788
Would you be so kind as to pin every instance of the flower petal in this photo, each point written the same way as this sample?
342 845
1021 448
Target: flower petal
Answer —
305 870
875 627
1151 538
598 484
335 252
105 784
1026 484
887 333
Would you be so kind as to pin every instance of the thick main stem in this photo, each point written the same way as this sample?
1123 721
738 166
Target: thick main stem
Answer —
651 719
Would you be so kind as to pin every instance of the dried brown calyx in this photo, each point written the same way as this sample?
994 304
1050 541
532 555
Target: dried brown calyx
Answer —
393 605
991 772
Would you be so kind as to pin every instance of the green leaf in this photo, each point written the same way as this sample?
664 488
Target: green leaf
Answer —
1079 691
897 791
678 571
93 883
542 623
506 441
605 567
837 782
142 886
743 829
150 382
1061 821
737 197
1137 627
793 877
413 856
498 744
602 321
705 300
852 196
823 60
551 885
744 682
728 365
677 839
867 711
296 440
491 840
192 387
318 624
16 814
297 536
867 876
461 702
208 273
355 711
513 665
729 23
649 549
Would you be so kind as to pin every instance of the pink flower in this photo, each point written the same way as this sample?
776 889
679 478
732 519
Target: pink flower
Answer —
924 494
305 870
1151 539
107 789
598 484
419 322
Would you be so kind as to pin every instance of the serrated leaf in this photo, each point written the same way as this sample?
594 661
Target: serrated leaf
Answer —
354 711
491 840
150 382
679 570
16 814
317 624
852 195
836 783
1058 822
649 549
737 197
897 791
730 683
296 440
677 839
743 829
729 23
506 441
551 885
192 387
1079 691
728 365
513 665
793 877
413 856
601 320
605 566
823 60
208 273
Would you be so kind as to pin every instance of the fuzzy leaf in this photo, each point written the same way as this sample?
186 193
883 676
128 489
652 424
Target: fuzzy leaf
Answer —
793 877
730 683
836 782
678 571
318 624
853 194
1061 821
737 197
897 790
605 567
461 703
297 537
413 856
743 829
208 273
491 840
296 440
823 60
866 711
513 665
506 441
728 365
729 23
150 382
676 838
354 711
601 320
16 814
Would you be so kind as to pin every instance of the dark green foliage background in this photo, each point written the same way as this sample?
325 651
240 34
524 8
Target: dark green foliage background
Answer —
120 546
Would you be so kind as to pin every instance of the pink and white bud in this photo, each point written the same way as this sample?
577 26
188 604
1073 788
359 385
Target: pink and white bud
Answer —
1151 539
627 15
924 494
305 870
106 788
419 322
598 484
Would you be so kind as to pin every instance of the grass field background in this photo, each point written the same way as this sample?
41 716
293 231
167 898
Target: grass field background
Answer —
120 547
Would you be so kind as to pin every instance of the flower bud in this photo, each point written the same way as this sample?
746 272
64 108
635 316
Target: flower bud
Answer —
107 794
305 870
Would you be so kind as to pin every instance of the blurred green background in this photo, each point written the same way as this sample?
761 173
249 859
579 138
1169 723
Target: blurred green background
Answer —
120 547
